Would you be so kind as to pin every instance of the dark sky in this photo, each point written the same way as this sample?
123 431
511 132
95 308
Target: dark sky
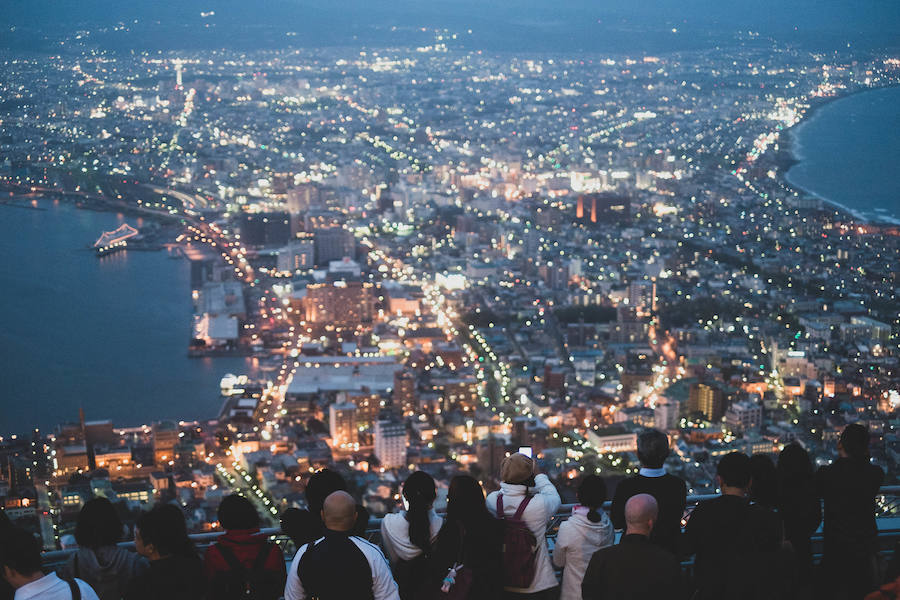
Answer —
550 24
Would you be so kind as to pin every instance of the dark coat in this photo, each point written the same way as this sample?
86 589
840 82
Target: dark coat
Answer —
172 578
635 569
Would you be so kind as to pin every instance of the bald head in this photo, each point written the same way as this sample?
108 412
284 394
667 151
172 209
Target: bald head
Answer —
640 513
339 511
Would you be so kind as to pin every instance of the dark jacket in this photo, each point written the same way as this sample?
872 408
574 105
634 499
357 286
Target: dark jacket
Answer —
801 514
635 569
735 541
848 487
172 578
481 550
108 569
309 527
245 545
671 496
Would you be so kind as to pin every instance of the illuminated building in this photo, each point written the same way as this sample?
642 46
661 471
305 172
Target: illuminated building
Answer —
340 303
165 438
708 400
342 425
390 443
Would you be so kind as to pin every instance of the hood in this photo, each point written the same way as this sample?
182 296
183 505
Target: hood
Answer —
513 490
106 562
600 532
396 527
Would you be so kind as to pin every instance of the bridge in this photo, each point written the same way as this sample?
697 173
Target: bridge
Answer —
113 237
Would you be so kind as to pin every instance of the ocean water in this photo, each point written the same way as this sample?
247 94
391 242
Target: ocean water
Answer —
109 334
849 153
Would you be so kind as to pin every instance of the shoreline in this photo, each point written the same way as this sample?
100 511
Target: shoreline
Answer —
789 145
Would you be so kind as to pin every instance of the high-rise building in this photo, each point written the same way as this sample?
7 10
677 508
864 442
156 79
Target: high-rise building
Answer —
165 437
708 400
299 255
342 423
665 415
390 443
272 229
404 392
744 415
333 243
340 303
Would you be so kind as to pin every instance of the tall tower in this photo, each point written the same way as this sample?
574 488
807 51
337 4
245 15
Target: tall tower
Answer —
179 68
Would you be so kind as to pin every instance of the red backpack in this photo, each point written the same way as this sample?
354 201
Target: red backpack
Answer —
519 547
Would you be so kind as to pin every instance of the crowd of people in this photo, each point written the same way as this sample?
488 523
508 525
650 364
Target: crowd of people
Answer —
751 542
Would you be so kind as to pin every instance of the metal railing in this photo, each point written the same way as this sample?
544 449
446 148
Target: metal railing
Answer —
887 518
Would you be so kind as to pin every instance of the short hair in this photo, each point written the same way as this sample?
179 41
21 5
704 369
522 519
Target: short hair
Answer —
98 524
164 527
321 485
652 448
735 470
236 512
855 441
20 551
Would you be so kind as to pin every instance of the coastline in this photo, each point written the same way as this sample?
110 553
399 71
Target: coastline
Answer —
791 146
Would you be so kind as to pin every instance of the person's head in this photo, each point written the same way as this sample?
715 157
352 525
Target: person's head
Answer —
20 557
98 524
339 511
640 514
592 494
652 448
794 466
292 524
236 512
734 473
465 501
161 532
854 442
419 491
517 469
321 485
764 486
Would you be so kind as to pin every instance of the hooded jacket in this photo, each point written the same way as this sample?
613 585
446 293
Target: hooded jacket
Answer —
537 515
576 543
395 535
108 569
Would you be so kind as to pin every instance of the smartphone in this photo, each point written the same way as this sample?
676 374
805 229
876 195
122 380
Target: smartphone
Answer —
526 450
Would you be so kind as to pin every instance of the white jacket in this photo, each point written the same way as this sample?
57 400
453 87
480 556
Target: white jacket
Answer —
576 543
395 535
537 515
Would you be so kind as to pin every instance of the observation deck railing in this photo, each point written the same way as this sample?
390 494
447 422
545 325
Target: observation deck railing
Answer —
887 519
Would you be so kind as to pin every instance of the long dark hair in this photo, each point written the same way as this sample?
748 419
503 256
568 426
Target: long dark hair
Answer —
164 527
592 494
764 482
98 524
794 468
419 491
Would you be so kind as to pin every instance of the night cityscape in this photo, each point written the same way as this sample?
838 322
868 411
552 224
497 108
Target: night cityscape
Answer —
427 257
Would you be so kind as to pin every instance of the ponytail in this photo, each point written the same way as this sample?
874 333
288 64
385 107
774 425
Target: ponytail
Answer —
419 491
594 516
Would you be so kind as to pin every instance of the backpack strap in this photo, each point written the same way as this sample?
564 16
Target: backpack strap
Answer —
75 566
231 559
259 563
522 506
73 587
500 506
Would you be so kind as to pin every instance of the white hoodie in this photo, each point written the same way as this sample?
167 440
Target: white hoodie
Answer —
395 535
576 543
537 516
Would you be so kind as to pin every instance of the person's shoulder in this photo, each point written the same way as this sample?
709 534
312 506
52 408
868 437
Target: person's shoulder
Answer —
675 481
87 592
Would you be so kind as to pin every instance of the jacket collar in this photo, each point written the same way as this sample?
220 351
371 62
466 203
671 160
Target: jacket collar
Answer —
648 472
634 538
241 536
39 588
